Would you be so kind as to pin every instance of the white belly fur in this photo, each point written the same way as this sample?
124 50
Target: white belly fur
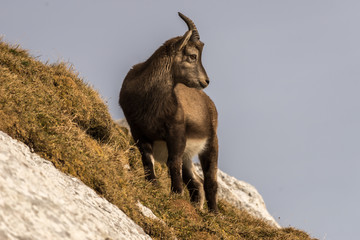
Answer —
193 147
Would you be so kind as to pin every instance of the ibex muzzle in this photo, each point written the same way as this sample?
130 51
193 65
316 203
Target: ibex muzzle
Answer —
171 118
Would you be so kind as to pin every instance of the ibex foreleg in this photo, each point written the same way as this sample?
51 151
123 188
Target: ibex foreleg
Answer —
192 182
208 159
176 143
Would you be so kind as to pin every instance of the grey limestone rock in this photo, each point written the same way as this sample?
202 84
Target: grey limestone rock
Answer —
39 202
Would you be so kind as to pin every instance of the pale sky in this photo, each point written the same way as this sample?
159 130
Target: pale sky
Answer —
284 77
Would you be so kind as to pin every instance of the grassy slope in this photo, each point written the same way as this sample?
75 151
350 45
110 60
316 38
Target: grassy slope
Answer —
49 108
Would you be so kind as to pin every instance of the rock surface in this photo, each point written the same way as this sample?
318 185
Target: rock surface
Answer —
39 202
241 195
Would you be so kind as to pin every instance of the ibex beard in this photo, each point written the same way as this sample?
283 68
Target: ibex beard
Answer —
171 118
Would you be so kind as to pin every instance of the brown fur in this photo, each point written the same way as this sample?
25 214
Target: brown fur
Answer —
170 116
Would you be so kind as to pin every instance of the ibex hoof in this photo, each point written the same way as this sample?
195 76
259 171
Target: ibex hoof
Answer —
177 191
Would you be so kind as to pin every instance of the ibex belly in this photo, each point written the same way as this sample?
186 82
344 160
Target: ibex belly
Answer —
193 147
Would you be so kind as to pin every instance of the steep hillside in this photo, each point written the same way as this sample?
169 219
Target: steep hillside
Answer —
50 109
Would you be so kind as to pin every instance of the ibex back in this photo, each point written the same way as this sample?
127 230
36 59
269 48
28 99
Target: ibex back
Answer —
171 118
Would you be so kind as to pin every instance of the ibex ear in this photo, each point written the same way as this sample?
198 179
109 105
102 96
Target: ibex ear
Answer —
184 40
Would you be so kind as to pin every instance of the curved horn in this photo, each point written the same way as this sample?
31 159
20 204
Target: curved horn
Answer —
195 34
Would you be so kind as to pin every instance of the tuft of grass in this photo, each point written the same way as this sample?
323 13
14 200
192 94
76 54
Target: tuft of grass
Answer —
63 119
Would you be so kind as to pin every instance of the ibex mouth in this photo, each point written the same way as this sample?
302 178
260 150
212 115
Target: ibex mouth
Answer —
203 85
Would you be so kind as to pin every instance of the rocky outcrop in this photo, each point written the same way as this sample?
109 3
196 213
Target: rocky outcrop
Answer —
39 202
241 195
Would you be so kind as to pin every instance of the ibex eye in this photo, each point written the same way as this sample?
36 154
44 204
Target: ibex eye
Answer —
192 57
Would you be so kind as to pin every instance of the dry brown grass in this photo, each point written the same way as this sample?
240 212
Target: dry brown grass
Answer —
51 109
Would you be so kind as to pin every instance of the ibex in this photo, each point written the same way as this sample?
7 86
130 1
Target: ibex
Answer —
171 118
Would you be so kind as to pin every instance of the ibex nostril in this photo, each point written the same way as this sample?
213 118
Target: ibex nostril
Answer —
207 81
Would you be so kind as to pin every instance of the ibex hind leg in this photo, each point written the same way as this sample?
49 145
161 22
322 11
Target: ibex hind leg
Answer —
192 182
148 161
209 161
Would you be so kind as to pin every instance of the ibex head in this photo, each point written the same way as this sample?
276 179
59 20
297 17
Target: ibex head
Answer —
187 68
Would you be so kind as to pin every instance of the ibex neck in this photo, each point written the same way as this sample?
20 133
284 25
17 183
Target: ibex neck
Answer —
158 79
160 96
148 92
